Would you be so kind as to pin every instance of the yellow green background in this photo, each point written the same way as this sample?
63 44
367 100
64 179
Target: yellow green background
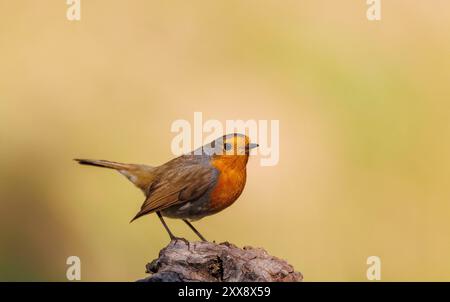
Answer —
364 131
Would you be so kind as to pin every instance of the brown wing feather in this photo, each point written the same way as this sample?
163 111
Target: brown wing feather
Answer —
177 185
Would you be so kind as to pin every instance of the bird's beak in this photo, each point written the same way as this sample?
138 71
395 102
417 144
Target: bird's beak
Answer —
252 146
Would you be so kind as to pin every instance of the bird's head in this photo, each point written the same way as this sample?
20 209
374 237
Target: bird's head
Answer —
232 149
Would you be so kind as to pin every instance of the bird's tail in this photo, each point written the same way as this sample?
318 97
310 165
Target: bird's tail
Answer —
140 175
103 163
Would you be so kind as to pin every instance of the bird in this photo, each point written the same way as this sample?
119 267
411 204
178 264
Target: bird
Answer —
192 186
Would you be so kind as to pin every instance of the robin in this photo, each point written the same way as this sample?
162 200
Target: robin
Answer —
192 186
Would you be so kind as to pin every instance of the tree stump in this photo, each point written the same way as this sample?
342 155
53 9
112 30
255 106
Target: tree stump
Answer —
183 261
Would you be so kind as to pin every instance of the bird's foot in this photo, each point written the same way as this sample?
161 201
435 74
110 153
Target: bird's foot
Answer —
174 238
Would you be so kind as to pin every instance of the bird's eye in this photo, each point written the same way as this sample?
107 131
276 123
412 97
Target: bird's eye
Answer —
227 146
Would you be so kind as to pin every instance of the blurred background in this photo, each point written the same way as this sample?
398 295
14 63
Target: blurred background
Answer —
364 131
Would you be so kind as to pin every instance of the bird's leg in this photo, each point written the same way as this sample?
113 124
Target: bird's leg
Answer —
195 231
172 237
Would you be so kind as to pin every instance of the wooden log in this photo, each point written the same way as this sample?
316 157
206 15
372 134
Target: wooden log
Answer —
207 261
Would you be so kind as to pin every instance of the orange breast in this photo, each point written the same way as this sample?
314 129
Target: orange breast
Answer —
230 185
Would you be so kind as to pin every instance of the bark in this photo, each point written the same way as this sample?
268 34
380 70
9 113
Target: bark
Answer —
206 261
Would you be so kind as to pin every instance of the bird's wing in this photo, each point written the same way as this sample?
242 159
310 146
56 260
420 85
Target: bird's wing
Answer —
177 185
